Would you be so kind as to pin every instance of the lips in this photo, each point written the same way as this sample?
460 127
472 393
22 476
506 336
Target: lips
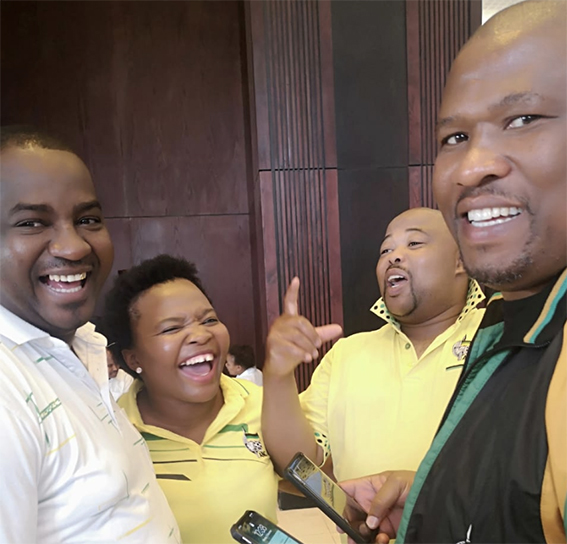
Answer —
395 279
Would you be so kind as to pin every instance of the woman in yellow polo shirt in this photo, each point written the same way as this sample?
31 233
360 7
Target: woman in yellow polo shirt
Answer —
202 427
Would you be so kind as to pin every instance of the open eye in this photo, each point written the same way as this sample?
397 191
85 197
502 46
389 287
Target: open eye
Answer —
522 121
415 244
30 224
90 220
454 139
385 251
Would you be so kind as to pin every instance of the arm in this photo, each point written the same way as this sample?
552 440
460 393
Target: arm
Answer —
291 340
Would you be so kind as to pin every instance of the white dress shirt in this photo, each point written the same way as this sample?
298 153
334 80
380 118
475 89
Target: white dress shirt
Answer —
72 467
120 384
253 375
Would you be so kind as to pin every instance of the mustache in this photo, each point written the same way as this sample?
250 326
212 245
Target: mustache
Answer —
59 264
469 192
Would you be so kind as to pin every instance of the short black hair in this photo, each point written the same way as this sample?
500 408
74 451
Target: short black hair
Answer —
243 355
23 136
128 287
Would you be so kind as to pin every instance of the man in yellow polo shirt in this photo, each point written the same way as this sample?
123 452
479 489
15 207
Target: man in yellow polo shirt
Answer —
376 399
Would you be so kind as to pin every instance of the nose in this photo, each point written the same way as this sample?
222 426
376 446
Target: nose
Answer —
480 164
395 256
68 244
198 334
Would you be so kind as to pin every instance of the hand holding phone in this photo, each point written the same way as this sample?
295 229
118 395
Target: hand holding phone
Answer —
252 528
329 497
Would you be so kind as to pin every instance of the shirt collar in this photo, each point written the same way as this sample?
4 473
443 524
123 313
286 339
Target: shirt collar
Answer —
534 320
474 297
21 332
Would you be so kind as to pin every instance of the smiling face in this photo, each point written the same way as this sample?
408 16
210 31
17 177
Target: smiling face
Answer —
55 251
179 343
419 273
500 175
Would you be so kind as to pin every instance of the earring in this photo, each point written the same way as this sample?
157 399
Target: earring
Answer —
139 370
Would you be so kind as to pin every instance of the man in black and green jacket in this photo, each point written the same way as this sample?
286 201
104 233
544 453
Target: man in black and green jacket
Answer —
497 469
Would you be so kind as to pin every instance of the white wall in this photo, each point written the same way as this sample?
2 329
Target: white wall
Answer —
490 7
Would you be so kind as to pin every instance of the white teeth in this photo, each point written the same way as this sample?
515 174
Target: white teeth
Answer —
486 215
72 290
206 358
69 278
395 277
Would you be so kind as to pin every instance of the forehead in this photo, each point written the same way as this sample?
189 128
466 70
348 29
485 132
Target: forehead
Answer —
488 72
410 221
43 176
164 300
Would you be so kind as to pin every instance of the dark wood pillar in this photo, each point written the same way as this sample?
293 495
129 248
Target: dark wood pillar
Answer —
294 158
436 31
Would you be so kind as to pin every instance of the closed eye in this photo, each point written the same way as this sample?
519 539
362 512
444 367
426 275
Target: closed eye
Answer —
210 321
170 330
415 244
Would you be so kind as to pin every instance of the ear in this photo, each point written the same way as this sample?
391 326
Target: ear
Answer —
130 359
459 267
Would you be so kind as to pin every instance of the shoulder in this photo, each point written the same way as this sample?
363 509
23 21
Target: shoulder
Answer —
362 341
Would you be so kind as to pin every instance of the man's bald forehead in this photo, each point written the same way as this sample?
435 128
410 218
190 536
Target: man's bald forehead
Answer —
426 219
523 19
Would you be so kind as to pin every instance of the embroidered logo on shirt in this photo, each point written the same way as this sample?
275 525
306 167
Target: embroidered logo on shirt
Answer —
254 444
461 348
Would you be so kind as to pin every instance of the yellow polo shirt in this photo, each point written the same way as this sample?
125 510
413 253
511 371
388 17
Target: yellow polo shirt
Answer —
374 405
210 485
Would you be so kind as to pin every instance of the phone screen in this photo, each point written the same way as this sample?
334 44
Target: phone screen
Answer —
258 530
318 482
330 498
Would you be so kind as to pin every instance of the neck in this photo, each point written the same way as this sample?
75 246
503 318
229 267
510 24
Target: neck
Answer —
187 419
422 334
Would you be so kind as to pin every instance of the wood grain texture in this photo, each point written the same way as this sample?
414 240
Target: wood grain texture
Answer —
436 31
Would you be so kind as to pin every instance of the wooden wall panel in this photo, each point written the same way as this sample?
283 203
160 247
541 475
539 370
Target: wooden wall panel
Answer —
152 96
436 31
291 61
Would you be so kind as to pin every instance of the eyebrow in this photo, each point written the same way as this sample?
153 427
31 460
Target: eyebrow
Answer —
45 208
178 318
86 206
509 100
411 229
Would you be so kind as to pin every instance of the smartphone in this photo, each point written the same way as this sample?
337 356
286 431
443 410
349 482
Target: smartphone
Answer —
327 495
252 528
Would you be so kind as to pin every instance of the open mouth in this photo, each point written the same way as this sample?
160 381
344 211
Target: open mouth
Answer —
489 217
65 283
395 280
198 366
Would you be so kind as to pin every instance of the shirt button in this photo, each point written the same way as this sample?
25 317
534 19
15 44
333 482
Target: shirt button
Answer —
408 345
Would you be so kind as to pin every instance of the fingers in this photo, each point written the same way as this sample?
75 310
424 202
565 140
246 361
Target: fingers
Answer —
392 494
291 296
329 332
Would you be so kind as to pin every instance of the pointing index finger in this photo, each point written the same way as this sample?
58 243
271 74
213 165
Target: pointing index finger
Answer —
291 296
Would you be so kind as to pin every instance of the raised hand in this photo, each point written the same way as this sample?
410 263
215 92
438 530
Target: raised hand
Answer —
293 339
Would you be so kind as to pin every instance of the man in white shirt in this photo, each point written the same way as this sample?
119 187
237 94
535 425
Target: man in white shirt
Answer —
72 468
240 363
